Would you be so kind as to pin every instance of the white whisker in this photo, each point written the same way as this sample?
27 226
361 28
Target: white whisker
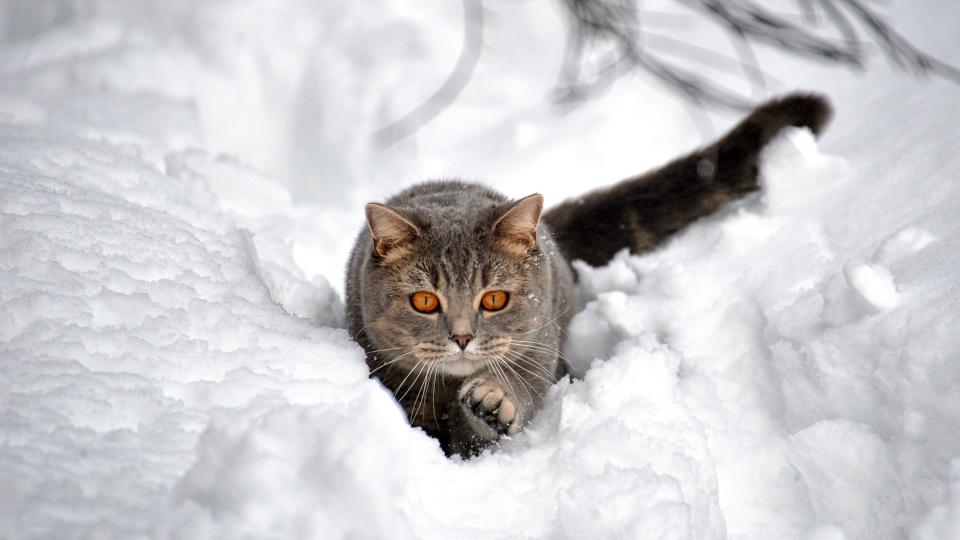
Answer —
548 323
541 377
393 361
523 383
401 398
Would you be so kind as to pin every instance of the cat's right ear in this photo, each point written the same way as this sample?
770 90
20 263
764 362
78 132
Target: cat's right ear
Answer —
517 227
391 231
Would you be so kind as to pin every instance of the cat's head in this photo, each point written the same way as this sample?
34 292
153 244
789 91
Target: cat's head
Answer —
454 289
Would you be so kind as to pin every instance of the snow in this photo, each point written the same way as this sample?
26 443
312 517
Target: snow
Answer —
180 183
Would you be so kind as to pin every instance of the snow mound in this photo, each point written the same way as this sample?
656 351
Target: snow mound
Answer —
132 310
830 369
616 459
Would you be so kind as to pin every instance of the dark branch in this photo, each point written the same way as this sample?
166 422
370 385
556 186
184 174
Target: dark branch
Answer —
451 88
605 41
594 25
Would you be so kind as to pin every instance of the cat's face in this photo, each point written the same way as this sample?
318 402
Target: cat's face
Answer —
454 293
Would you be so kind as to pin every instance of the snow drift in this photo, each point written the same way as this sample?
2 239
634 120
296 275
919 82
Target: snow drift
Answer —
173 362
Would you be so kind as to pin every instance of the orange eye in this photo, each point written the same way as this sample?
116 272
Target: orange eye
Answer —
424 302
494 300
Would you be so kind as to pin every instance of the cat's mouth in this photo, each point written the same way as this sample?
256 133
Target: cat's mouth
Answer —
456 363
460 363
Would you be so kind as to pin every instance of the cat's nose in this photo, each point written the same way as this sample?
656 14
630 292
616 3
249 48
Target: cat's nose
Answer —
462 340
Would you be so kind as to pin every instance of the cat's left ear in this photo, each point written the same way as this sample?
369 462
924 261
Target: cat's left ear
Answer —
517 227
391 231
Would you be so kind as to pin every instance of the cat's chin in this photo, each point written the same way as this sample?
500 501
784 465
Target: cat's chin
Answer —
461 366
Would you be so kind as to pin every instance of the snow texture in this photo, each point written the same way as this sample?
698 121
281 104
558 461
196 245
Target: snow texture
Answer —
180 183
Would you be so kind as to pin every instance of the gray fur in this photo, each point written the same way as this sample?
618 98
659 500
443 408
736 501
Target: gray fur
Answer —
458 254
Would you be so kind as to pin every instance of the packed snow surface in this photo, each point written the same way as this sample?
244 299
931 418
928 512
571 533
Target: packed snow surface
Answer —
180 183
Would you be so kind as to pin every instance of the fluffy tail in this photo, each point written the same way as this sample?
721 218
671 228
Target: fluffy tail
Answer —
641 212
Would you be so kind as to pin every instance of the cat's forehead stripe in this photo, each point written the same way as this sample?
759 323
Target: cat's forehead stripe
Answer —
421 275
458 275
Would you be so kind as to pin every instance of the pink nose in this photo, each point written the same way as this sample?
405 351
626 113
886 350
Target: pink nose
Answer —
462 341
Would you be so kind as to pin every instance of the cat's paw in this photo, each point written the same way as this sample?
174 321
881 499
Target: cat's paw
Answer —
490 408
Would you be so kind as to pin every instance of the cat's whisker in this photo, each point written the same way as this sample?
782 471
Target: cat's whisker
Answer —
428 389
532 374
387 349
493 368
548 375
416 396
417 402
530 342
433 394
531 351
502 375
520 365
492 365
523 383
355 336
548 323
393 361
536 346
419 365
542 375
535 362
420 397
531 361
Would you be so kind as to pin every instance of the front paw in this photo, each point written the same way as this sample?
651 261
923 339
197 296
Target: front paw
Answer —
489 408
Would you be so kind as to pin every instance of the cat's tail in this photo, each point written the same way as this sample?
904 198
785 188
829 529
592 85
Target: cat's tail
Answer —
641 212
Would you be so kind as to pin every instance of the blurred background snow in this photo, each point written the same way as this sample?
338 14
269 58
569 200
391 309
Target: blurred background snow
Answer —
181 181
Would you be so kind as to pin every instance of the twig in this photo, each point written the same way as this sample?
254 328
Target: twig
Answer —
605 41
452 87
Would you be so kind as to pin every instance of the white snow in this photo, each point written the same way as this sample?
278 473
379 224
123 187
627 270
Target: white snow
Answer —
180 183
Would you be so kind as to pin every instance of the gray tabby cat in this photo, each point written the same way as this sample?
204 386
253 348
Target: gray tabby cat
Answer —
460 296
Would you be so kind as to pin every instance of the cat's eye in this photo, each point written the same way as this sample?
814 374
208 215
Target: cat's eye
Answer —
494 300
424 301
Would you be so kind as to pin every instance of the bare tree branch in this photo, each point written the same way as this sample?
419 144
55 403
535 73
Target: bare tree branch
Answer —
605 41
843 25
897 47
591 26
451 88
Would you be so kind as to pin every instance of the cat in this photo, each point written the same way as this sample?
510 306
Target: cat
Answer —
460 296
